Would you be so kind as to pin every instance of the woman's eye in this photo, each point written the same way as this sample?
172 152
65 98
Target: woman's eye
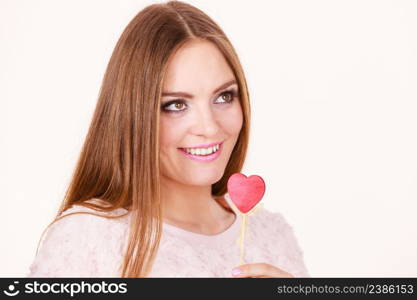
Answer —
174 106
227 96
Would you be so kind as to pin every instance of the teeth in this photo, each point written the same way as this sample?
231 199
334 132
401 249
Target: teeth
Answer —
202 151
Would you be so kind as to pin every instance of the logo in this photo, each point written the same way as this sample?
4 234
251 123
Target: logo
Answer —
71 288
11 291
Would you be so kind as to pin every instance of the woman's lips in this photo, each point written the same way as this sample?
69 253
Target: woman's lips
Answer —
203 158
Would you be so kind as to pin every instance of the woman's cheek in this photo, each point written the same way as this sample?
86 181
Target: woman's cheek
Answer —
233 120
163 134
173 130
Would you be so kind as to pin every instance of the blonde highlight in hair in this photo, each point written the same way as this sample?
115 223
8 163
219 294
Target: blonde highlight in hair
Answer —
119 160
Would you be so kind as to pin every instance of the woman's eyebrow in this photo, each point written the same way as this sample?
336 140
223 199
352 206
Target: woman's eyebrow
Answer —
187 95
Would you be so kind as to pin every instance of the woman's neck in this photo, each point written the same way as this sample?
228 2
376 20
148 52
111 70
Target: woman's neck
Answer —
192 205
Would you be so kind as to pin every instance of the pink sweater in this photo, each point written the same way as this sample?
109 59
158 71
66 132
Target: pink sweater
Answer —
84 245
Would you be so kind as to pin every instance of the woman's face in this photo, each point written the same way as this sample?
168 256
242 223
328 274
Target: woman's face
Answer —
201 116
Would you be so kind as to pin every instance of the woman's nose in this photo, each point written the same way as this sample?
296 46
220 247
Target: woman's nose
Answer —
205 123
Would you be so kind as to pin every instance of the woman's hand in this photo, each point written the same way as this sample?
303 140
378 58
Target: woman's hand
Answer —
259 270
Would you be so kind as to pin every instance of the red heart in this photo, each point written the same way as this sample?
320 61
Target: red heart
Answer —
245 192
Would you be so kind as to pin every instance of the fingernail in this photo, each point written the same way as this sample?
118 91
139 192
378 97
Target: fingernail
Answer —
236 272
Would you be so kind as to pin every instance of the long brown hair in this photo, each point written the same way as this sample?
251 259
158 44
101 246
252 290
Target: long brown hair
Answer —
119 161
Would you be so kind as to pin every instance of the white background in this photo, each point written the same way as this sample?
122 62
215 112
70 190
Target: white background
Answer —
334 103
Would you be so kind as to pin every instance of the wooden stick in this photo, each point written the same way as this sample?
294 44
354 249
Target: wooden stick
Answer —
242 238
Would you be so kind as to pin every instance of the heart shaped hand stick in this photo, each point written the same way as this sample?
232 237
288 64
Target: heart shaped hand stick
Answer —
245 193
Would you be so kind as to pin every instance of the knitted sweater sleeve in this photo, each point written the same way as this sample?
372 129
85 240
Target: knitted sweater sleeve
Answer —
72 247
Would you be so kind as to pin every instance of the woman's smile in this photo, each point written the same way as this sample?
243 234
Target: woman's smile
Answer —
203 153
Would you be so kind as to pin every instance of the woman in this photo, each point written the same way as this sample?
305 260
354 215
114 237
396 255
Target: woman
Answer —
148 196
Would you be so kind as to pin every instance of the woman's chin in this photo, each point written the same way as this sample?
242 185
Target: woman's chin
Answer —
205 179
